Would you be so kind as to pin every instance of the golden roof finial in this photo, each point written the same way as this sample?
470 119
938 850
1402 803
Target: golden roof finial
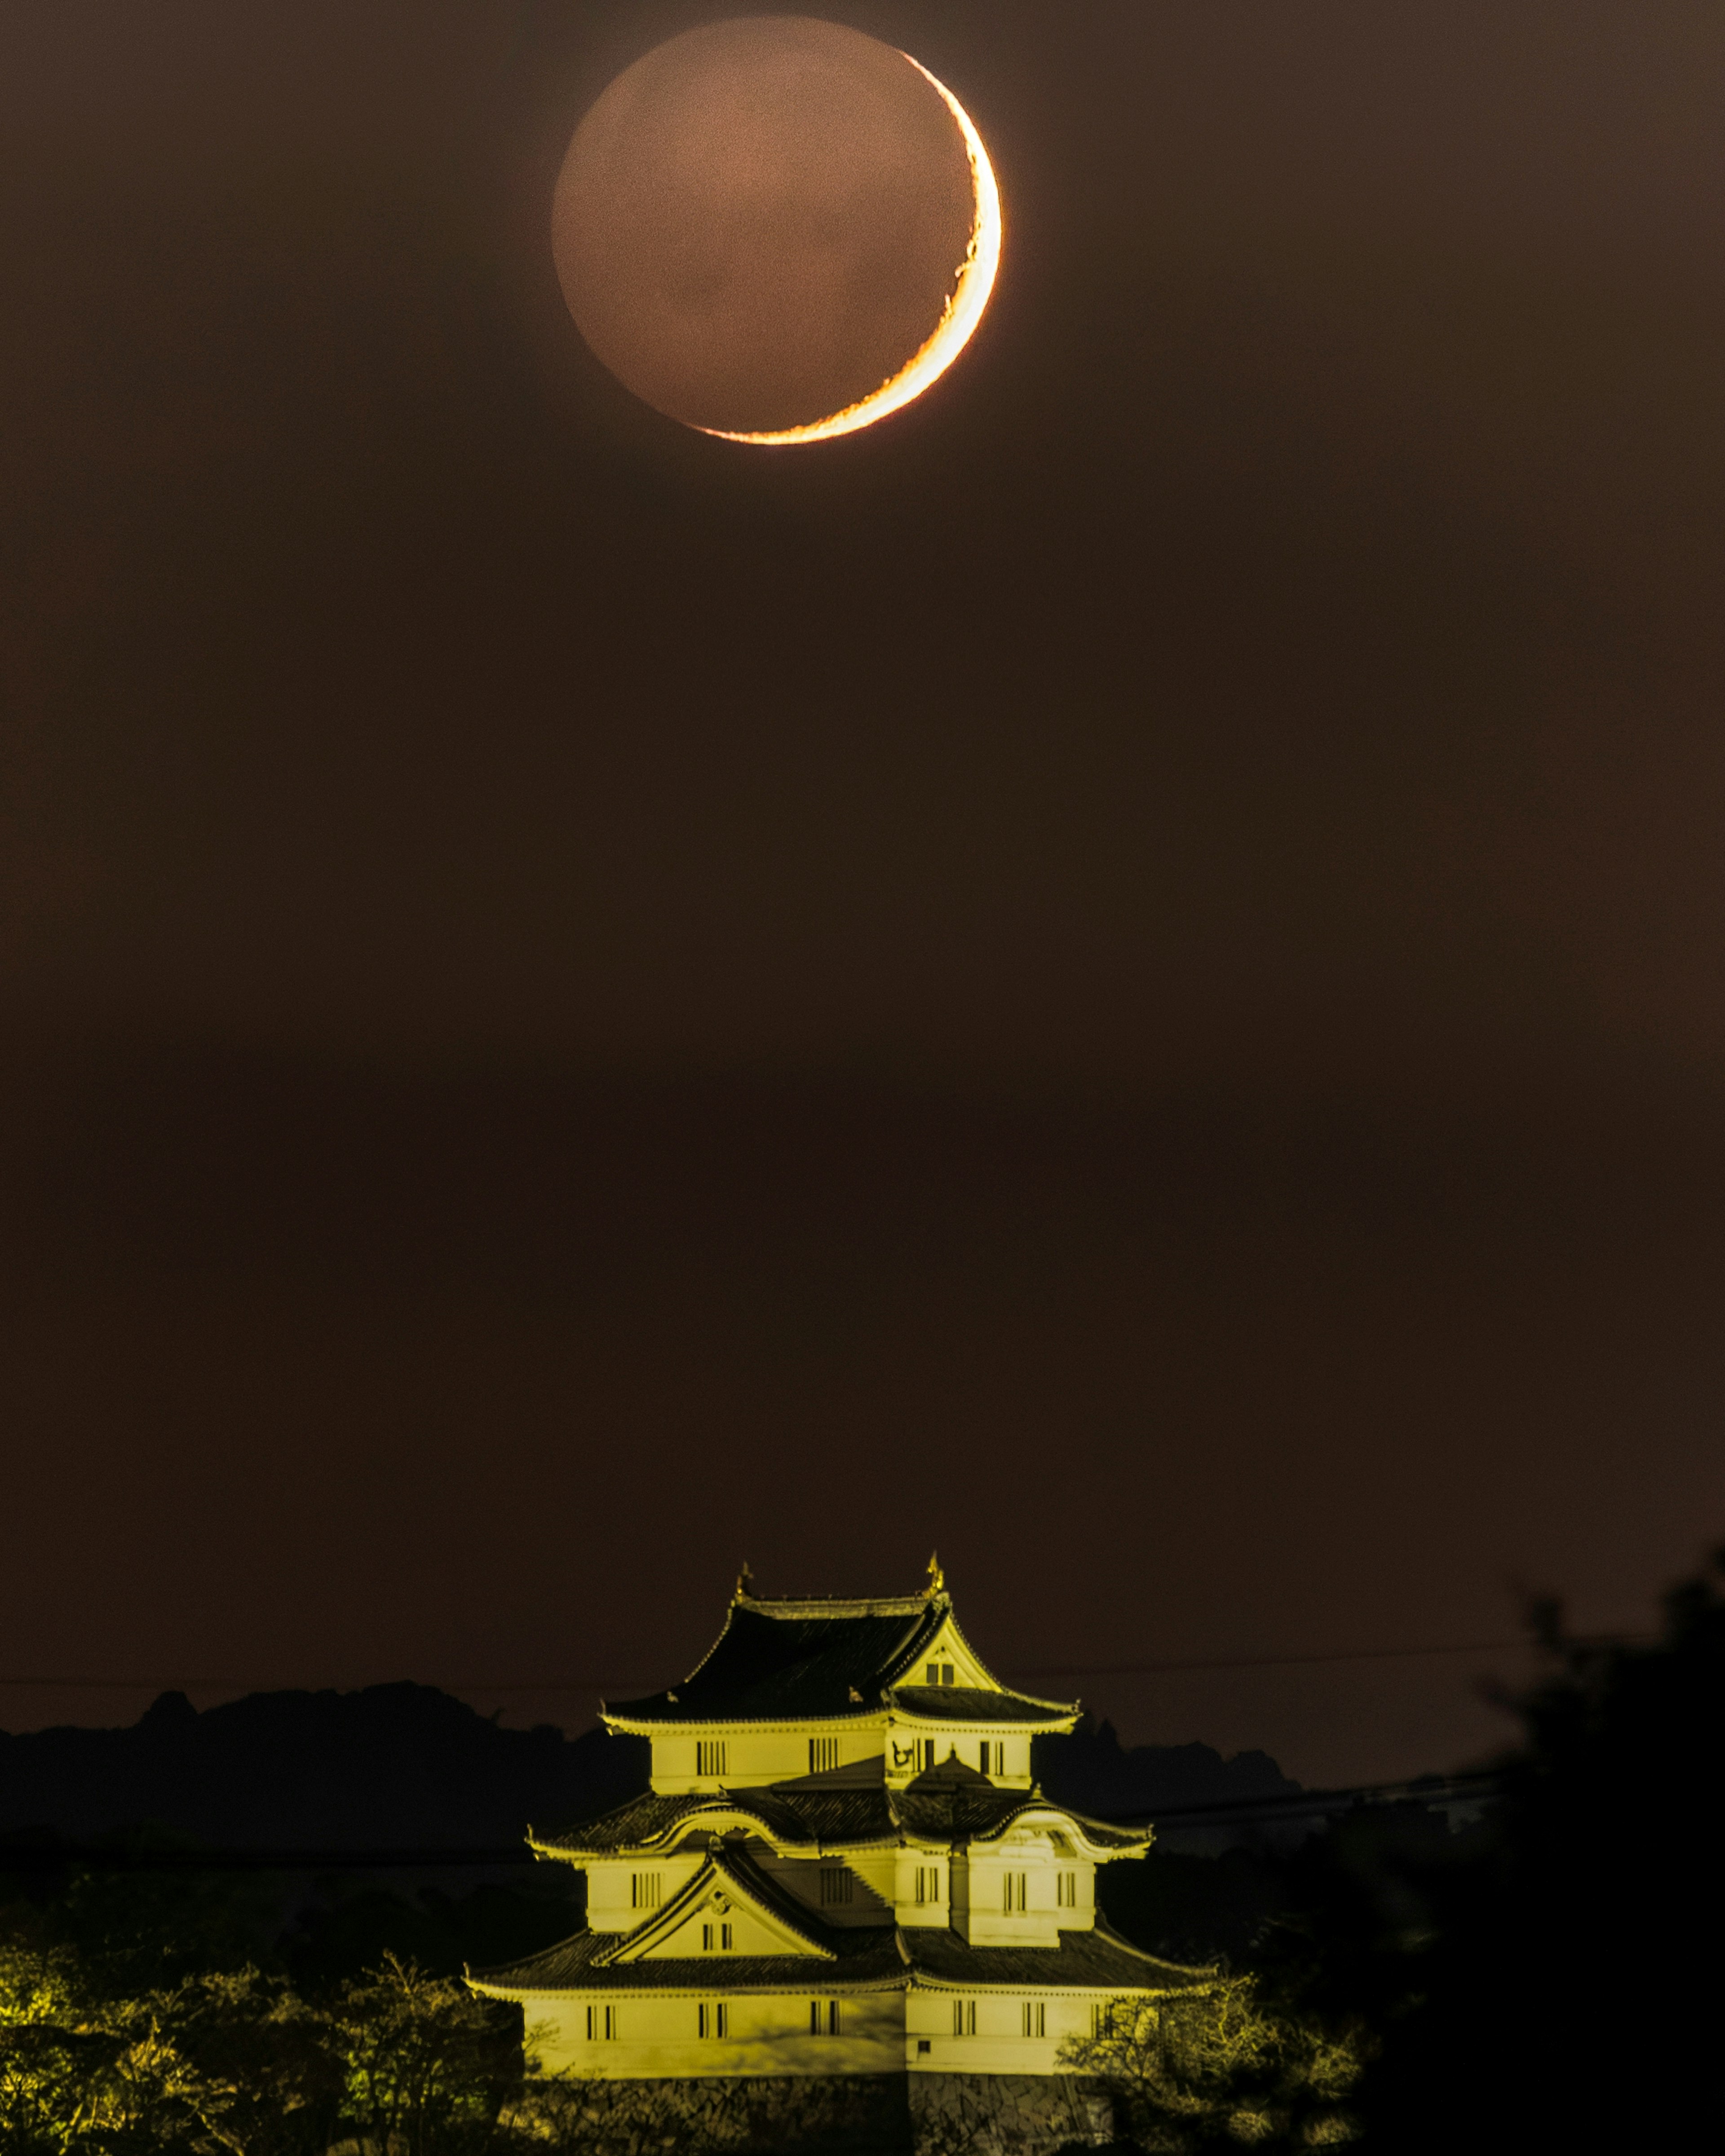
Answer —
745 1584
936 1578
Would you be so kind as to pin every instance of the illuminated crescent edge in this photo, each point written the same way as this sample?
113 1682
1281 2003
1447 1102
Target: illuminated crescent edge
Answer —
960 317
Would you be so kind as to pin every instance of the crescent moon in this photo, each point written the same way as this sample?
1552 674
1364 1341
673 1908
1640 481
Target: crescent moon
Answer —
960 317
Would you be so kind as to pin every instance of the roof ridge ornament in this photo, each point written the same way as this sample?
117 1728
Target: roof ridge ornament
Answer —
745 1591
936 1578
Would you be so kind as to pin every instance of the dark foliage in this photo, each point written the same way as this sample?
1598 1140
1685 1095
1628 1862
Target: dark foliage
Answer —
1539 1997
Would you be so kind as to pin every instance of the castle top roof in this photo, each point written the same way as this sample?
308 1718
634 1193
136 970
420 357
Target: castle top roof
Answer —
796 1660
810 1659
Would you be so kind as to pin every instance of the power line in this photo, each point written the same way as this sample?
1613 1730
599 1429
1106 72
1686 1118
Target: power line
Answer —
1471 1786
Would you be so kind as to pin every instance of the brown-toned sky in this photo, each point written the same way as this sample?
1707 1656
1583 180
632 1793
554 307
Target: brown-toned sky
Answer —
1121 973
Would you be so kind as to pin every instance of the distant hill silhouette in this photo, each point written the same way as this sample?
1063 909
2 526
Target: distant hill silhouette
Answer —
395 1766
406 1766
1092 1771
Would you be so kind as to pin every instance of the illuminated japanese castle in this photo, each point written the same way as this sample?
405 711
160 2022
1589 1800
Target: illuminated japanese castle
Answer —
843 1867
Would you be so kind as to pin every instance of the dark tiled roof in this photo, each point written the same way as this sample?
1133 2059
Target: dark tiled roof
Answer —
633 1824
862 1958
955 1813
791 1815
836 1816
1097 1960
791 1660
948 1803
875 1957
969 1703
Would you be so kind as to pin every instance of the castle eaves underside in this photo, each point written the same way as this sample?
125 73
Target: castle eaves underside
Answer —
937 1812
883 1958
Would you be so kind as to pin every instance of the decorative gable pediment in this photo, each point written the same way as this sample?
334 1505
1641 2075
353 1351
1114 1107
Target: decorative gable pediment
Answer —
948 1658
720 1912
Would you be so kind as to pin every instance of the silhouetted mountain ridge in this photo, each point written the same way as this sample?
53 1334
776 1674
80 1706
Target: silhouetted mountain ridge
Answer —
1094 1773
393 1766
406 1766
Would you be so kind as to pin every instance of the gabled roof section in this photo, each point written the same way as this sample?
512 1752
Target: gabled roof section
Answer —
864 1960
940 1807
730 1883
814 1660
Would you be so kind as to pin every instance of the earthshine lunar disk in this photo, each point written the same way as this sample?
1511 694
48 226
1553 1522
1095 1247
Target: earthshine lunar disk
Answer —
777 229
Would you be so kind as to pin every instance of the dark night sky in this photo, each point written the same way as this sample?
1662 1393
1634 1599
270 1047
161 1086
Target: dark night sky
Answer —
1121 973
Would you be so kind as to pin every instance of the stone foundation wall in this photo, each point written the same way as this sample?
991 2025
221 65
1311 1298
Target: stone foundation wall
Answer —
1002 2114
840 2115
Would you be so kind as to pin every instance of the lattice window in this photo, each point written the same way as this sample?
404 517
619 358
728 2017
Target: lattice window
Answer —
928 1882
965 2017
646 1890
837 1886
822 1754
710 1756
602 2023
1065 1890
713 2019
824 2019
1035 2018
1016 1895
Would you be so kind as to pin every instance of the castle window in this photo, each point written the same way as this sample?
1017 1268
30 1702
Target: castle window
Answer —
1101 2018
601 2023
646 1890
949 1674
714 2021
837 1886
928 1882
1035 2018
925 1752
988 1754
822 1754
709 1757
1015 1894
824 2017
965 2017
1065 1890
715 1934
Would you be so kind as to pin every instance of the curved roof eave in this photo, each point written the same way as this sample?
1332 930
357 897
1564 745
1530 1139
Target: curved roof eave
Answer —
658 1726
1060 1719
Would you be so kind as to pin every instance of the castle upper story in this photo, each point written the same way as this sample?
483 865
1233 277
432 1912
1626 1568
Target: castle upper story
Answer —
853 1764
795 1688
